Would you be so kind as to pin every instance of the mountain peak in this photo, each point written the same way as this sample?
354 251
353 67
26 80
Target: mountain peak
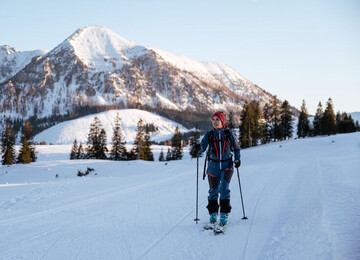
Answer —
6 50
100 48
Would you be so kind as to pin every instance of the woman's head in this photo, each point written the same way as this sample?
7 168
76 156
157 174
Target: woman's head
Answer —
218 120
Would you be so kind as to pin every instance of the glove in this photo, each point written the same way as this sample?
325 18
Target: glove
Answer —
197 147
237 163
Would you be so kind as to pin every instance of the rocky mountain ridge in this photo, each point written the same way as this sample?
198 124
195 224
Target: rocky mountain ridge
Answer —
96 67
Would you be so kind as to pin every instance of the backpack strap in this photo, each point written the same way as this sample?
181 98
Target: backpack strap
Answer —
227 138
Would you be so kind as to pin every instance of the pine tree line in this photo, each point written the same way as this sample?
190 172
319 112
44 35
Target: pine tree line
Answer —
273 122
325 122
27 153
259 125
96 146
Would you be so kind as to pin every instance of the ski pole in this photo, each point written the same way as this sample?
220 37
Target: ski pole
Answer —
197 189
206 158
242 201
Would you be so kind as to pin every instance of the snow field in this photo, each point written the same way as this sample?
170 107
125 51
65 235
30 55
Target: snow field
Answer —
301 200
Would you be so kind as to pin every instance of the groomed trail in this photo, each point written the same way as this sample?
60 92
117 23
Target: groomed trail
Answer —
301 200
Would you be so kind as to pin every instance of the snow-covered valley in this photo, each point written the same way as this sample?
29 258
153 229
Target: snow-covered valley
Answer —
301 199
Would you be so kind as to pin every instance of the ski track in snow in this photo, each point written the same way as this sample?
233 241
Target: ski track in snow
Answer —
161 238
82 203
301 201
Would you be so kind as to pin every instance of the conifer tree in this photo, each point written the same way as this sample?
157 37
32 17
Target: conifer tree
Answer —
357 126
275 119
176 144
80 152
74 151
257 127
266 130
250 128
161 156
345 123
7 146
168 155
24 153
194 142
286 121
317 122
303 127
245 126
27 130
118 150
96 144
138 149
329 119
148 155
230 121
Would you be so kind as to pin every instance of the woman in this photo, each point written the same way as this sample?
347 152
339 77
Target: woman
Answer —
222 144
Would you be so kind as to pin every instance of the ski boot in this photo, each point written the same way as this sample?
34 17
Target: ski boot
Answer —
213 221
220 228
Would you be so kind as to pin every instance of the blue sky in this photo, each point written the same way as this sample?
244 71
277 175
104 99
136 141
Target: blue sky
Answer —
294 49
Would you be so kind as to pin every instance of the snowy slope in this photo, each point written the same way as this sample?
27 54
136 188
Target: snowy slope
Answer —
13 60
301 198
355 116
66 132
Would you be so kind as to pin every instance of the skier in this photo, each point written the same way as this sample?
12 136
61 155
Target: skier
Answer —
222 144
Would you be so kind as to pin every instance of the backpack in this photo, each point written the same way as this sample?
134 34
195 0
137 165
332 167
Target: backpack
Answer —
227 138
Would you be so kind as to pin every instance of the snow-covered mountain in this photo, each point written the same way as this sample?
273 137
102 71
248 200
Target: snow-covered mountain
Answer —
355 116
95 66
66 132
13 60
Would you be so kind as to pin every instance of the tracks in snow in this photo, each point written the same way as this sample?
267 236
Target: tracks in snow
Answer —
86 202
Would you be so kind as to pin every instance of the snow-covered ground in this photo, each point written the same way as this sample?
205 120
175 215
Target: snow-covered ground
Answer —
66 132
301 198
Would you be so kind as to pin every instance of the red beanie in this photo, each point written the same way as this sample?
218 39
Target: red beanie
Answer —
221 116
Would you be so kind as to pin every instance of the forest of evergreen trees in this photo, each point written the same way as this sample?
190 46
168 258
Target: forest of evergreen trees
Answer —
96 147
274 122
271 123
26 154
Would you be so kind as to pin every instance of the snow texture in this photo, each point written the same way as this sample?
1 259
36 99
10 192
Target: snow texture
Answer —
301 198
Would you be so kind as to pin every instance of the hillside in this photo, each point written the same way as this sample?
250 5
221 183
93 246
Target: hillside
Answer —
66 132
301 198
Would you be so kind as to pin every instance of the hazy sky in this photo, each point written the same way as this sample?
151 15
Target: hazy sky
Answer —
294 49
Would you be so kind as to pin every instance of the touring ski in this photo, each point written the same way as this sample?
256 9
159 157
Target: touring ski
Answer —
220 228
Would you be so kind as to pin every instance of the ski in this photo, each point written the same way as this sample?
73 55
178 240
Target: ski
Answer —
220 229
210 226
